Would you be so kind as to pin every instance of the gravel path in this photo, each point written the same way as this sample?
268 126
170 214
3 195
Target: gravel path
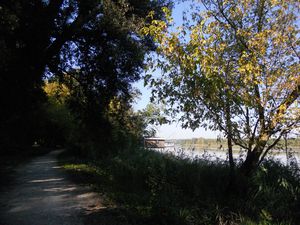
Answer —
42 194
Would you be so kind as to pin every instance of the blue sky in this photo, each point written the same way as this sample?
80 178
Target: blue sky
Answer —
172 131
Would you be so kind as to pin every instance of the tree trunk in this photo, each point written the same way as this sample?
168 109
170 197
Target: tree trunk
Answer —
231 184
232 179
251 162
230 154
229 134
286 149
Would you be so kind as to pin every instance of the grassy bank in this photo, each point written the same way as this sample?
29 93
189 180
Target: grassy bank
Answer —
161 189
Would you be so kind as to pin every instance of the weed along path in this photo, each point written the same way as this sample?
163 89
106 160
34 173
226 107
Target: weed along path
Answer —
42 194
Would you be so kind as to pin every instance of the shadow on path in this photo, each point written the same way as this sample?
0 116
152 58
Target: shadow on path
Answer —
42 194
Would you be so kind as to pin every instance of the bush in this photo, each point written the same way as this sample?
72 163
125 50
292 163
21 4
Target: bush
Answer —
171 190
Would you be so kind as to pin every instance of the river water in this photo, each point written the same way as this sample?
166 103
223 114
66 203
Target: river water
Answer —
292 156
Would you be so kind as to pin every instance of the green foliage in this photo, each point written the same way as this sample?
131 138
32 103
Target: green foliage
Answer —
153 116
232 66
93 47
65 126
57 121
277 187
163 189
117 129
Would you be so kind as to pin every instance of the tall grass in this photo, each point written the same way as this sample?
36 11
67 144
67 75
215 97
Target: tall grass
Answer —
164 189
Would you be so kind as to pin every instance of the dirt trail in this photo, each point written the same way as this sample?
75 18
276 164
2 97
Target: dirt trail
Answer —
42 194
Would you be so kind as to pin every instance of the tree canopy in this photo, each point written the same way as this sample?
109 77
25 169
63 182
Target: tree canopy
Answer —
96 42
233 67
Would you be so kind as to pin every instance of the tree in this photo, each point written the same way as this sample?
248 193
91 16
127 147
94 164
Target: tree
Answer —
233 67
58 122
153 116
99 39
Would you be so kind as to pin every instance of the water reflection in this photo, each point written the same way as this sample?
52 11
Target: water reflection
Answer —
293 155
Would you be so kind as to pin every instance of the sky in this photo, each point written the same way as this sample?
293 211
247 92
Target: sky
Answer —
174 130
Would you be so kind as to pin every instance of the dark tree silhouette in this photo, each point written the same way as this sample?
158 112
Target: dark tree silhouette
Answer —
97 43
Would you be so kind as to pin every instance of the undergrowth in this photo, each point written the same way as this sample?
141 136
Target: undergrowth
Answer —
164 189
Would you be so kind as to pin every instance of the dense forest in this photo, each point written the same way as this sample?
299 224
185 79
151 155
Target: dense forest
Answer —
67 69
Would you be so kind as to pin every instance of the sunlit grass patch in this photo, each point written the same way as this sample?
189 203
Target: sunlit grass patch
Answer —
83 167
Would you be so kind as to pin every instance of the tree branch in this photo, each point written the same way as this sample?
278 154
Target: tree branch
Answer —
270 147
